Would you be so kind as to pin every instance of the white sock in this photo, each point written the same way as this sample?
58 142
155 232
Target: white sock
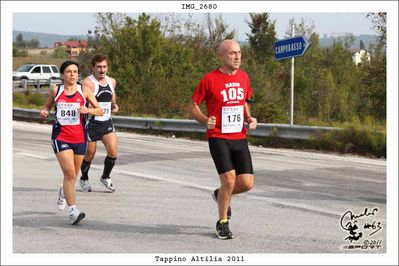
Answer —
71 207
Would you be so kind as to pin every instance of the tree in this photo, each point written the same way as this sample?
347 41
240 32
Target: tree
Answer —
153 71
361 45
33 43
262 37
217 31
60 52
19 41
374 90
305 28
107 23
379 21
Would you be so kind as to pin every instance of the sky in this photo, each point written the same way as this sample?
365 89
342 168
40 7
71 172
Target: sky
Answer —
79 23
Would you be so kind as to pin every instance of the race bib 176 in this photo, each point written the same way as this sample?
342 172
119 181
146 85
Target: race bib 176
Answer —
232 119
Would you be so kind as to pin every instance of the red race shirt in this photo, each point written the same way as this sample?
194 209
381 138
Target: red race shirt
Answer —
225 96
68 124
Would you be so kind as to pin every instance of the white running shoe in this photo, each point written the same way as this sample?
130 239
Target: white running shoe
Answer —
76 216
85 185
61 202
107 184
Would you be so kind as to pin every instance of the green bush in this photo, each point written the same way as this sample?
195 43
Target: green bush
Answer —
30 100
363 141
36 99
19 99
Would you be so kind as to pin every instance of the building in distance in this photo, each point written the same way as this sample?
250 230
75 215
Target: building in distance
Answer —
73 48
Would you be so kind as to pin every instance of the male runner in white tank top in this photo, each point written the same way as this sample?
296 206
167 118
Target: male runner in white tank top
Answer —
101 127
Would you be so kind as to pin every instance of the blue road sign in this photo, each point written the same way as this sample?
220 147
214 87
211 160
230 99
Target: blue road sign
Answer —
291 47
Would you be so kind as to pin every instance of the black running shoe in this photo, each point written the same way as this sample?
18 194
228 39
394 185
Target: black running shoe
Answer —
223 231
215 197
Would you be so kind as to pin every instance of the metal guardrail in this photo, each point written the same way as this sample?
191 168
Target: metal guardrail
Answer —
23 84
186 125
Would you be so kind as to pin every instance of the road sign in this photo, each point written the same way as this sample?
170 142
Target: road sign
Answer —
291 47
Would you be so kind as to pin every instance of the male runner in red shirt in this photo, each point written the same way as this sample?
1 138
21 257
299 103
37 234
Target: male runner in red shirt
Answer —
226 91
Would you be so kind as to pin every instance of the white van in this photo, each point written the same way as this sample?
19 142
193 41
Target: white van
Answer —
36 72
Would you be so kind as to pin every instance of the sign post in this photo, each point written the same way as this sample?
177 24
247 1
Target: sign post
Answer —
291 48
292 83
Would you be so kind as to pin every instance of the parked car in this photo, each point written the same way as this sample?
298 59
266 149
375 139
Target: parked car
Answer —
36 72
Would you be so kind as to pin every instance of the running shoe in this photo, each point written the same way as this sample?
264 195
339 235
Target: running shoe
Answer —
85 185
223 231
107 184
76 216
215 197
61 202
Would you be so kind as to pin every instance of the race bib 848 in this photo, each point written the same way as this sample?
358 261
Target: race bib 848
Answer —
68 114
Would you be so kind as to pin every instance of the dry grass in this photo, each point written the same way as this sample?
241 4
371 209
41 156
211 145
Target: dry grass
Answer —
36 59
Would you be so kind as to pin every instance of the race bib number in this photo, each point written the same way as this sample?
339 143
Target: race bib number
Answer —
232 119
68 114
106 106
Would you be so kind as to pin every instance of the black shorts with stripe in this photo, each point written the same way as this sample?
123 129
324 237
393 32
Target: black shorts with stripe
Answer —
97 129
77 148
231 154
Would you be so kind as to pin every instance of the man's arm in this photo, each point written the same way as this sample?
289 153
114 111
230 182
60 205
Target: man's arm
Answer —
87 82
114 106
252 122
197 114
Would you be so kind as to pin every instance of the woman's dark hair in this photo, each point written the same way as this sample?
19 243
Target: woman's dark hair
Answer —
66 64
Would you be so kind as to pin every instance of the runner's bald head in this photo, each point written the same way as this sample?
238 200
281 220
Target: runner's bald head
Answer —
226 43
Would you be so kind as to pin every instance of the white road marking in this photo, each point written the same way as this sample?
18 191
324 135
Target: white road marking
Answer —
32 155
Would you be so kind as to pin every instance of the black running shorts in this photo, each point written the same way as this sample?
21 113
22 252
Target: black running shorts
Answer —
77 148
231 154
97 129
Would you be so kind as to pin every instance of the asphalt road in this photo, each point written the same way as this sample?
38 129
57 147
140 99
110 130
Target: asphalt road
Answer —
163 204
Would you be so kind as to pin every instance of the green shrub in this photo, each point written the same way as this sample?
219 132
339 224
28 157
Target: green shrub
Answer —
361 140
19 99
30 100
36 99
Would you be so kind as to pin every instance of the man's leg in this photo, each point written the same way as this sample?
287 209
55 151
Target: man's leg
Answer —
90 152
227 185
227 182
244 183
110 142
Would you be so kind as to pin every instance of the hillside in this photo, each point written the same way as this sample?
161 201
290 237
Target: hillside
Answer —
367 40
46 40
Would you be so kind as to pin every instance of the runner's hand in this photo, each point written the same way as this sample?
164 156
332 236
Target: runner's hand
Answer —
210 124
114 108
44 113
84 110
252 122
